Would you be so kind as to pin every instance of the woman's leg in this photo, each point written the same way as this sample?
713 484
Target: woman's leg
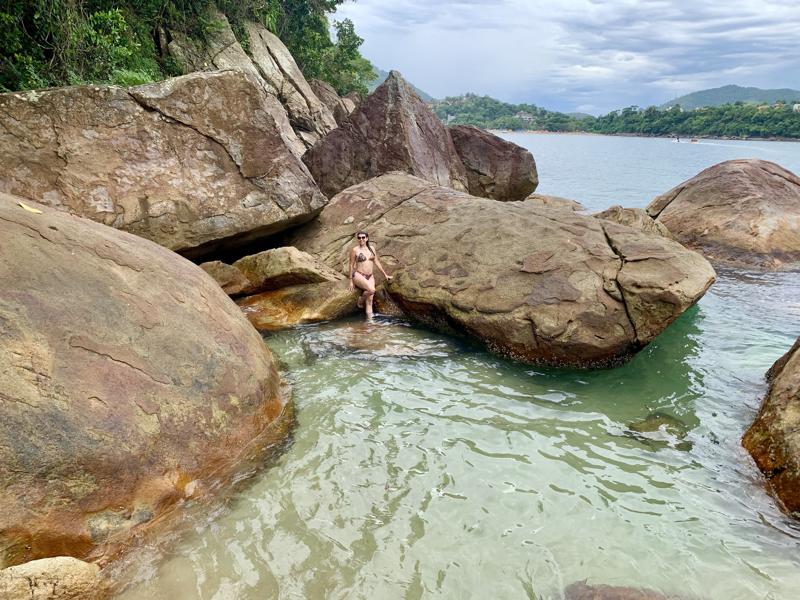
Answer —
368 285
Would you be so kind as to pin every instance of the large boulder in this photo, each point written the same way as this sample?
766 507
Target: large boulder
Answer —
496 168
58 578
392 130
339 107
192 163
299 304
773 439
634 217
741 212
130 381
310 116
269 64
283 267
540 285
555 202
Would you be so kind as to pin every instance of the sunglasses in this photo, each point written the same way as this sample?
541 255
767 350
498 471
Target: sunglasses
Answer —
362 237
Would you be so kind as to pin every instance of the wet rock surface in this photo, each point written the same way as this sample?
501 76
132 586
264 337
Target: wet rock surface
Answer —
773 440
496 168
193 163
299 304
392 130
533 284
128 377
739 212
582 591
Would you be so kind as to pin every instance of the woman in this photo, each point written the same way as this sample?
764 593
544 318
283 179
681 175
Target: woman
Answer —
363 259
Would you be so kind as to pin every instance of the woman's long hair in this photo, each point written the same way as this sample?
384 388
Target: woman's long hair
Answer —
358 233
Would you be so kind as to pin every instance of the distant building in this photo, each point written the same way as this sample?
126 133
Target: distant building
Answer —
524 116
796 107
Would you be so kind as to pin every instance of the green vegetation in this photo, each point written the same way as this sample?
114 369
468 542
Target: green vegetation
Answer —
730 120
730 94
63 42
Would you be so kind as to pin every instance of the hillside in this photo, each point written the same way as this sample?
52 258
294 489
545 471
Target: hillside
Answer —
729 94
381 77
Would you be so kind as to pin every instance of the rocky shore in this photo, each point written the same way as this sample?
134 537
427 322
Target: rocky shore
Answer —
136 378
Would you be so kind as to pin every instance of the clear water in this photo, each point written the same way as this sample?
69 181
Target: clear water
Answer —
424 467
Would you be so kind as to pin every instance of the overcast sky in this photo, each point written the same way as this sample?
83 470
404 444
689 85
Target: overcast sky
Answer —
581 55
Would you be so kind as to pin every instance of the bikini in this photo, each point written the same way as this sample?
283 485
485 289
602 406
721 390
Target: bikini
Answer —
361 258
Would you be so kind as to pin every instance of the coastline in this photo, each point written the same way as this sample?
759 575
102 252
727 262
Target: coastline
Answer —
637 135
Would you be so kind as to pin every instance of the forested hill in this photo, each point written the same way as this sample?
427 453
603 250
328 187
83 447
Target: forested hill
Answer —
48 43
738 120
730 94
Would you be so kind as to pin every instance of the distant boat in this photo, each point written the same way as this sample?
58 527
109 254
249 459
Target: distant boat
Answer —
693 140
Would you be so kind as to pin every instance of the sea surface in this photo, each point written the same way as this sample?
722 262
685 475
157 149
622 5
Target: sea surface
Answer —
425 467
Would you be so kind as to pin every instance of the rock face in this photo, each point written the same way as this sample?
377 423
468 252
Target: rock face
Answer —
128 379
634 217
270 65
283 267
191 163
535 284
392 130
555 202
773 439
229 278
59 578
742 212
496 168
298 304
339 107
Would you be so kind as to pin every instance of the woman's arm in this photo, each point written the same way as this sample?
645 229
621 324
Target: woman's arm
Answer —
350 268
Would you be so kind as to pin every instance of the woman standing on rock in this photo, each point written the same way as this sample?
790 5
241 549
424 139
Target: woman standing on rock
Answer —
363 259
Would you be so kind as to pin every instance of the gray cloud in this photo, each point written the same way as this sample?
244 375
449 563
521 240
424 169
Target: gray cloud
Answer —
586 55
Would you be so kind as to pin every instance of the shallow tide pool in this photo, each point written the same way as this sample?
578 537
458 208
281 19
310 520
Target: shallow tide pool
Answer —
425 467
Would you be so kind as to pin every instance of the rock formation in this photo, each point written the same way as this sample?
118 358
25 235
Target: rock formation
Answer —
191 163
634 217
339 107
129 381
540 285
741 212
283 267
496 168
555 202
58 578
392 130
582 591
229 278
270 65
773 439
299 304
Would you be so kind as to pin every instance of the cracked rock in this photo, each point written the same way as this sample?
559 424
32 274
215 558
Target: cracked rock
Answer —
127 375
540 285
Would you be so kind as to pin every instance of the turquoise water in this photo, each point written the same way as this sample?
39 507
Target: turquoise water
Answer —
426 467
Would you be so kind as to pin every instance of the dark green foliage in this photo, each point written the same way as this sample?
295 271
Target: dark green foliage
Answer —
731 120
731 94
57 42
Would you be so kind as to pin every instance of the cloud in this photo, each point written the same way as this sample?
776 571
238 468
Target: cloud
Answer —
581 53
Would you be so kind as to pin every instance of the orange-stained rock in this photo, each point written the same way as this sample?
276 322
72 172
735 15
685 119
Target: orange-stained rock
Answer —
773 439
129 379
297 304
739 212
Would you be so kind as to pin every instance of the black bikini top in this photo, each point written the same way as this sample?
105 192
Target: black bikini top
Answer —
361 257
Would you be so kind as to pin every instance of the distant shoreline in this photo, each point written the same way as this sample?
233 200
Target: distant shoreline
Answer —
637 135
